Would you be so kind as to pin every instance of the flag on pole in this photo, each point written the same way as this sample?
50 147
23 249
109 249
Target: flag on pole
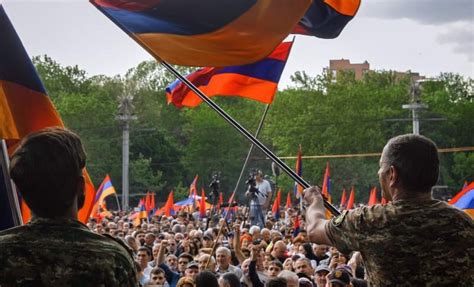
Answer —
257 81
350 202
465 199
207 32
169 206
296 226
153 206
105 189
298 189
202 205
373 197
276 206
327 18
326 189
288 200
221 201
193 186
141 213
24 104
343 199
148 202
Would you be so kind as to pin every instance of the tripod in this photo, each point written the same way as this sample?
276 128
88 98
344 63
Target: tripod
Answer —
254 212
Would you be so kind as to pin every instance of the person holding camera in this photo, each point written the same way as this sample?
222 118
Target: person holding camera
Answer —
260 193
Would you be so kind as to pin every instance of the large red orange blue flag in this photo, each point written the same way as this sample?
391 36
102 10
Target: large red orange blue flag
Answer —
327 18
465 199
215 33
257 81
24 104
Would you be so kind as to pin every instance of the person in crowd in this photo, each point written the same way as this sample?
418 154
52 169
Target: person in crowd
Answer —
291 278
157 277
223 255
259 199
320 275
229 280
414 236
206 279
54 248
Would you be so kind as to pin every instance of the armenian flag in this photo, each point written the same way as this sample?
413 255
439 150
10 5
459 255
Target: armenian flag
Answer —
373 197
465 199
327 18
288 200
24 104
216 33
257 81
350 201
105 189
343 199
276 206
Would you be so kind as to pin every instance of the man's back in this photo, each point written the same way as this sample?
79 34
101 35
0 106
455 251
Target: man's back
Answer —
409 243
62 252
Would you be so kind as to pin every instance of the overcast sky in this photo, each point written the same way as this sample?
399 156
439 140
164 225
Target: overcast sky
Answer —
425 36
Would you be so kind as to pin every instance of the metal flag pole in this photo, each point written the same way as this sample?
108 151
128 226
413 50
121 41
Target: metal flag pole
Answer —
244 132
8 191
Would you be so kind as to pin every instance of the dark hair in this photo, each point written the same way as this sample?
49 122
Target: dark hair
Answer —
146 249
309 251
276 282
276 263
47 169
231 279
416 160
206 279
186 255
157 270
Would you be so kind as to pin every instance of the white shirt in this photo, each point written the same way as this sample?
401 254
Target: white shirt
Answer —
264 190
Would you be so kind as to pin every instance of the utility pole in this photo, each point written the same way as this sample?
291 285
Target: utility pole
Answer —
125 116
415 105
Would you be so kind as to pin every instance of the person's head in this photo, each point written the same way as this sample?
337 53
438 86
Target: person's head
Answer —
408 163
207 241
183 261
192 269
279 249
140 236
255 232
157 276
245 266
223 257
229 280
288 264
149 238
143 256
320 275
185 281
259 175
320 250
131 242
303 265
291 278
266 235
47 169
206 279
276 282
339 278
203 259
172 261
274 268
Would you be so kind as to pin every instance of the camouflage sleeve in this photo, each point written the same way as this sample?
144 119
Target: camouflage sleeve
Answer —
348 231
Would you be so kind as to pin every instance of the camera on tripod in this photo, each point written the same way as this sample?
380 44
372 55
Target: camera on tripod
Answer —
252 183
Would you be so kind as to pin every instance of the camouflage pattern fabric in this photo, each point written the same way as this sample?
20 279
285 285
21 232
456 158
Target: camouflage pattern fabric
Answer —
409 243
62 252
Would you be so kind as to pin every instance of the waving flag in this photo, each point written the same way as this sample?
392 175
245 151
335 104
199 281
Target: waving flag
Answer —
327 18
288 200
326 190
296 226
465 199
193 187
373 197
202 205
350 202
141 213
257 81
276 206
201 33
24 104
298 189
343 199
105 189
169 205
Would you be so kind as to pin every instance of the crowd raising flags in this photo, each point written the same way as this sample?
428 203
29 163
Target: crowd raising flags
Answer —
24 104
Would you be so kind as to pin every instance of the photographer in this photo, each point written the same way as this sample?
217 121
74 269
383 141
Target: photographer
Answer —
260 194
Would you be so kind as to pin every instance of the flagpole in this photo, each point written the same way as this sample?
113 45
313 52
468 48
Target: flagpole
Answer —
118 203
9 189
245 133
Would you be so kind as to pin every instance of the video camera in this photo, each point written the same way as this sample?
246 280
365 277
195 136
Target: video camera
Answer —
252 182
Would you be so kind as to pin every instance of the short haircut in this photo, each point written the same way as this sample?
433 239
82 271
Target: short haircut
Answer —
416 160
231 279
276 263
47 168
290 277
276 282
187 256
157 270
224 250
146 249
206 279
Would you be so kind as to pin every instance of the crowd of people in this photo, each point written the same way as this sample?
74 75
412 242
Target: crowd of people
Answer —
179 251
414 240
